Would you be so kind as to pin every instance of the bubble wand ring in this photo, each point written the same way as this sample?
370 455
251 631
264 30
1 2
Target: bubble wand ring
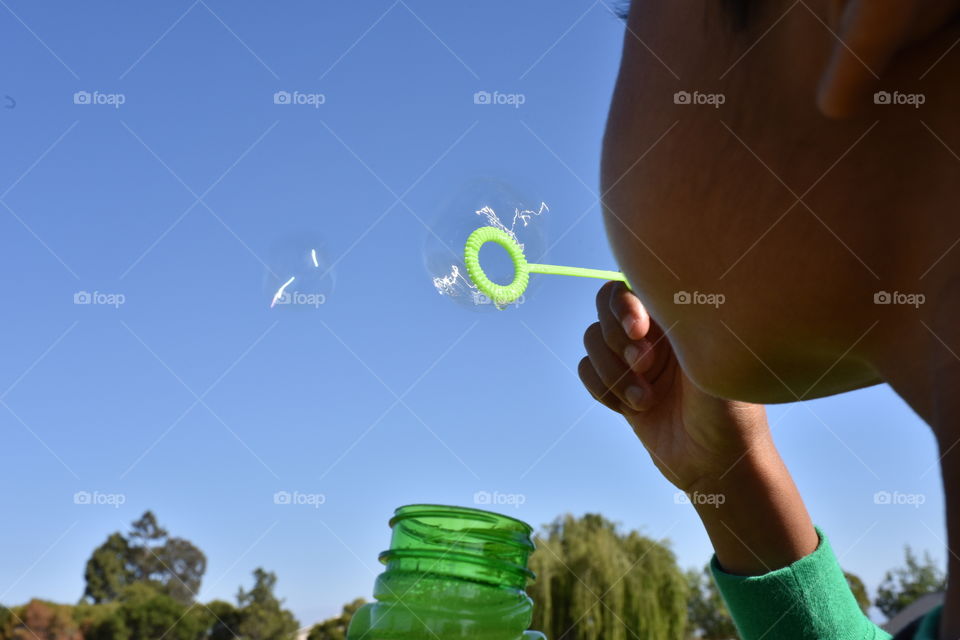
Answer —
505 294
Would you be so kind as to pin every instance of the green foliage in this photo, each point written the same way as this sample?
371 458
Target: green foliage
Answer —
110 628
144 610
100 621
148 555
336 628
222 620
595 583
707 614
6 622
903 585
149 613
262 616
859 591
108 570
179 568
140 587
11 617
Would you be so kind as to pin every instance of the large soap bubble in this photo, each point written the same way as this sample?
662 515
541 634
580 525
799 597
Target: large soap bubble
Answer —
299 277
484 202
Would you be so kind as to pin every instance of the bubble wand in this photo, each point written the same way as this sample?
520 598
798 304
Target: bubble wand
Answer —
505 294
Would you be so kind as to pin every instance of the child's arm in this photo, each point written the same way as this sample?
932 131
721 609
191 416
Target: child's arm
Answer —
721 450
771 565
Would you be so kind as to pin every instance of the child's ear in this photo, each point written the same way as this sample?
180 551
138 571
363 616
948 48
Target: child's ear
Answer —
869 33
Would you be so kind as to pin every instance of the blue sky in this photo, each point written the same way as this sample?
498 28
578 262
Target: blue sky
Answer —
195 399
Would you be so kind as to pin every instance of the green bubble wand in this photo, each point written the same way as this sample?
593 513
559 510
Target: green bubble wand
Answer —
505 294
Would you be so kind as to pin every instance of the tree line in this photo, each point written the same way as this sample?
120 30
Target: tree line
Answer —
594 582
143 585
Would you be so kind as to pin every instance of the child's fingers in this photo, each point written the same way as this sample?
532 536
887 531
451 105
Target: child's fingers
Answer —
628 310
591 380
629 387
650 355
638 354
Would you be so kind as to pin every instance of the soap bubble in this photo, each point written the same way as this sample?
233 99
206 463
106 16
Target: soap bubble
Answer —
480 203
299 277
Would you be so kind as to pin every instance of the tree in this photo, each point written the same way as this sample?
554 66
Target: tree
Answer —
904 585
148 555
144 611
594 582
859 591
147 612
6 622
41 620
336 628
262 616
100 621
706 611
108 570
181 568
223 620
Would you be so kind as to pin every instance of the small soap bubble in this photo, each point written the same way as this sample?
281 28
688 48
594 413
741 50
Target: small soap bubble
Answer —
299 276
484 202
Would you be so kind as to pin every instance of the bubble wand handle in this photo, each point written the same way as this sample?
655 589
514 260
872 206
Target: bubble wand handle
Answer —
580 272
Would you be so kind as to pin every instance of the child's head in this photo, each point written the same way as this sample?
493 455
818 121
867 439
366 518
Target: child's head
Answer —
724 173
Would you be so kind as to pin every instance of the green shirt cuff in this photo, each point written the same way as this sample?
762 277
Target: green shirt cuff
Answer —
807 599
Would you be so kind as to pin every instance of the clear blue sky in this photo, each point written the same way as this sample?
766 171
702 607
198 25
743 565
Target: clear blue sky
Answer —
185 199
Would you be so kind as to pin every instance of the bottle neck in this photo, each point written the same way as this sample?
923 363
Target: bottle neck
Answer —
468 544
451 573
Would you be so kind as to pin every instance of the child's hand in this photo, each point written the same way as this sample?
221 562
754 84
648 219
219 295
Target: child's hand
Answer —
695 439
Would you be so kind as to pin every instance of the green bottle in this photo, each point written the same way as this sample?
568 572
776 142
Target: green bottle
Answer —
451 573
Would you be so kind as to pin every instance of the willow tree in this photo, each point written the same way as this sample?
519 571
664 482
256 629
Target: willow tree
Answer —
596 583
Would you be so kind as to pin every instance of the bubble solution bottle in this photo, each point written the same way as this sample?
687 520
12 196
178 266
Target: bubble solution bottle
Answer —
451 573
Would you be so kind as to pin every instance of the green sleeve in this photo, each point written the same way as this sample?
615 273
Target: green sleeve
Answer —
807 600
